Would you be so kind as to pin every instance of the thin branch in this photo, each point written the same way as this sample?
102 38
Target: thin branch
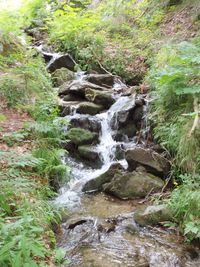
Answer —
196 120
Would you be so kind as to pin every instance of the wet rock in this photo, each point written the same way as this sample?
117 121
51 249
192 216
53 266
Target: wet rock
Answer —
66 107
61 61
128 111
151 160
132 229
96 184
71 223
47 56
105 80
89 153
127 131
131 90
80 136
104 98
60 76
86 122
152 215
78 87
137 114
122 113
89 108
133 185
72 98
106 226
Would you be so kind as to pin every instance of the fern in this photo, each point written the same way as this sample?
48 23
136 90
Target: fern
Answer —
176 79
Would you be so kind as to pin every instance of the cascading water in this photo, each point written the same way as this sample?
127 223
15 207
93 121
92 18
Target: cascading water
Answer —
70 194
107 145
96 234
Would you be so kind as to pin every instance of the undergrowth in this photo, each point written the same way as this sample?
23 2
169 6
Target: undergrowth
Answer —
175 78
28 180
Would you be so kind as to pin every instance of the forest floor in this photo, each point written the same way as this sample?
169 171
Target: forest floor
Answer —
12 121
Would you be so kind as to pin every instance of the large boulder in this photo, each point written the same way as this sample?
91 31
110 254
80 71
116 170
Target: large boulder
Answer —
89 108
105 80
59 61
77 87
152 215
104 98
133 185
89 154
80 136
151 160
97 183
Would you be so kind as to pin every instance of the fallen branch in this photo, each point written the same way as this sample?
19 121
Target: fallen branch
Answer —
196 120
106 71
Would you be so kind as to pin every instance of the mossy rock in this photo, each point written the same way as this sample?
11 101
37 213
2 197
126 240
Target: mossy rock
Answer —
89 108
133 185
80 136
104 98
60 76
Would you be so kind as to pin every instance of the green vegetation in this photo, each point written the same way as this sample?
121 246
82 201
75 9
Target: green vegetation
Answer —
80 136
184 203
127 38
28 179
176 78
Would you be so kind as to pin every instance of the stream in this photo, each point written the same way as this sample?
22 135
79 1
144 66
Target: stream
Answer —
100 230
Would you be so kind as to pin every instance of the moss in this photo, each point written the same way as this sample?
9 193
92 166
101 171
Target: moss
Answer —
81 136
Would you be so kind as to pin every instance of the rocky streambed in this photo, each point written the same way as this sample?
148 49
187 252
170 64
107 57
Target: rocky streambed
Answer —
115 167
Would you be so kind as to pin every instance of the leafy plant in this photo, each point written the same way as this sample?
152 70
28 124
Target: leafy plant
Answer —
15 137
184 203
176 79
